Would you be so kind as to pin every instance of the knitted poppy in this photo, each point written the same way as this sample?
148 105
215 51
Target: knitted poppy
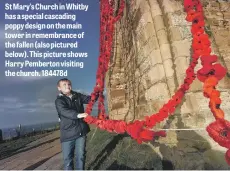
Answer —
199 7
215 100
188 5
157 117
146 135
207 91
163 112
204 72
194 15
211 81
219 130
194 62
184 87
205 51
208 59
120 127
89 119
101 116
215 93
219 71
201 40
195 58
150 121
197 28
217 112
133 129
160 134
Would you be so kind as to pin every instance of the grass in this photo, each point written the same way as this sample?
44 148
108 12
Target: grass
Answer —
109 151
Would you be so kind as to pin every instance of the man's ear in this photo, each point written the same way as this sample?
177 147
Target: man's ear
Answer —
59 89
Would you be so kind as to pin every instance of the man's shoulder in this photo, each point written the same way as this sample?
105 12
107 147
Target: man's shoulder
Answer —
60 97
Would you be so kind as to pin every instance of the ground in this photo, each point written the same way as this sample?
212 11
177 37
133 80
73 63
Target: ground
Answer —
110 151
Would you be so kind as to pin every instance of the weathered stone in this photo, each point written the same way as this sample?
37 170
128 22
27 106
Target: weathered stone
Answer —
117 93
157 92
155 8
158 23
165 51
155 57
153 43
171 6
162 37
181 48
175 34
156 73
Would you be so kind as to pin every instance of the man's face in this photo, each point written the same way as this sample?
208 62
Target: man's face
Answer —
65 87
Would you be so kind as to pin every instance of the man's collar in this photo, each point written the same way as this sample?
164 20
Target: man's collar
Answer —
72 93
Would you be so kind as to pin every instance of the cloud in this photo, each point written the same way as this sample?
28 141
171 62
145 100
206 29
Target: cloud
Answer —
16 105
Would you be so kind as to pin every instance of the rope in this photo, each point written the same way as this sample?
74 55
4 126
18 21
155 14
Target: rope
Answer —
183 129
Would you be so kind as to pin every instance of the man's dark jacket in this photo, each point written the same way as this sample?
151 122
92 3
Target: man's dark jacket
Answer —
68 108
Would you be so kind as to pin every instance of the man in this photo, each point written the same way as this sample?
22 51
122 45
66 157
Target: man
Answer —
73 128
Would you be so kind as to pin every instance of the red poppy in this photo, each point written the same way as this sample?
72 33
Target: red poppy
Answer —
188 80
160 134
201 40
146 135
195 29
207 91
195 58
215 93
184 87
120 127
133 129
219 71
202 52
219 131
150 121
89 119
93 96
208 59
159 116
211 81
194 15
101 116
194 61
216 100
199 6
163 112
188 5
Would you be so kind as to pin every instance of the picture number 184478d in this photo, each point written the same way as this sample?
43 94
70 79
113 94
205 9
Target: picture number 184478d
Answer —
57 73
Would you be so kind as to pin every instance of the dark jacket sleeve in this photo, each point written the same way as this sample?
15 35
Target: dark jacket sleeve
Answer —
64 111
85 99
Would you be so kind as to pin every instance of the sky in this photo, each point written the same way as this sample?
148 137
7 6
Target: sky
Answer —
30 100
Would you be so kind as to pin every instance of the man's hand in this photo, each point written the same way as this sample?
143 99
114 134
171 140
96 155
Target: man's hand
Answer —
82 115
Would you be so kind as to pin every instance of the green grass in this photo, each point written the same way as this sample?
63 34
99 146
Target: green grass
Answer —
114 151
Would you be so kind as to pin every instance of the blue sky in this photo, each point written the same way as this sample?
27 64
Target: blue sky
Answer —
28 100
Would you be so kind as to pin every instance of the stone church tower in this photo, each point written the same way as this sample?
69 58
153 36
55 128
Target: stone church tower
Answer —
152 50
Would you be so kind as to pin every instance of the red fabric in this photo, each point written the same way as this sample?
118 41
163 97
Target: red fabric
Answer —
216 70
219 130
208 59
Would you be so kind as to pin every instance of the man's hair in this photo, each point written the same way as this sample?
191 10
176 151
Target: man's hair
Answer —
63 79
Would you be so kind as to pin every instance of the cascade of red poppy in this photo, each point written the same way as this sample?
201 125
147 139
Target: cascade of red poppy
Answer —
137 131
210 74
